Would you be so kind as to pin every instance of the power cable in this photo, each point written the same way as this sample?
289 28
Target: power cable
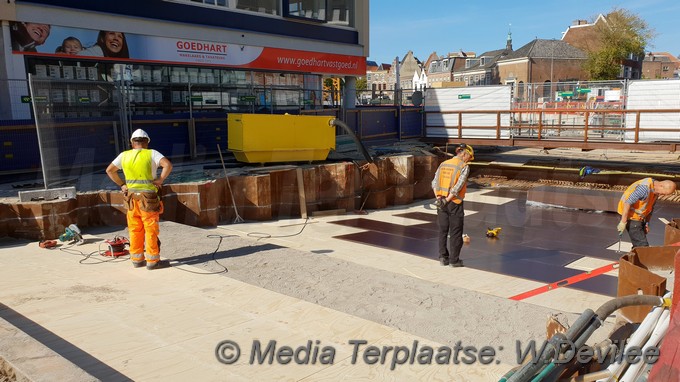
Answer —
212 257
89 259
260 235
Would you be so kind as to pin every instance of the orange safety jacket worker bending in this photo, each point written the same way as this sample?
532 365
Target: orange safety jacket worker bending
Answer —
639 209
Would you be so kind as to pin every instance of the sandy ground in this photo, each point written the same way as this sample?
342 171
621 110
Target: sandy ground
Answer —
430 310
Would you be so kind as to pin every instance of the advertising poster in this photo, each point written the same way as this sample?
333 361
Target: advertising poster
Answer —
53 40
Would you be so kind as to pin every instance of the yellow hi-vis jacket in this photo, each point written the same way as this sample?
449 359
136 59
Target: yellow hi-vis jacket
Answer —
137 170
642 208
449 172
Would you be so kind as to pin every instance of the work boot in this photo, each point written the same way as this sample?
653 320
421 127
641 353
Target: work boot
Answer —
138 264
457 264
443 261
150 266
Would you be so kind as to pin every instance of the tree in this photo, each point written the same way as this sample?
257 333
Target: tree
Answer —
361 83
620 35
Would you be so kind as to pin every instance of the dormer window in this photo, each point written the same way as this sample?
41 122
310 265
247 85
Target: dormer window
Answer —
470 62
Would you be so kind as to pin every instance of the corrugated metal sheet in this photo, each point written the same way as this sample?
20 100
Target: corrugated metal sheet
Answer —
651 95
440 102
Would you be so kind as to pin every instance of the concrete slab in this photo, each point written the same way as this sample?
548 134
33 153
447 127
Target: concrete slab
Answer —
288 281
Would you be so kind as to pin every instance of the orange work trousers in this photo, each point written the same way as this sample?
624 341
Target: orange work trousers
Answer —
143 227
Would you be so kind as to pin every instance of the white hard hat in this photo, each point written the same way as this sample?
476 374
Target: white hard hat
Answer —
139 133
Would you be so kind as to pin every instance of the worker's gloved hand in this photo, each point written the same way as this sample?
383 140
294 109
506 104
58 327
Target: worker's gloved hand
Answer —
621 227
440 202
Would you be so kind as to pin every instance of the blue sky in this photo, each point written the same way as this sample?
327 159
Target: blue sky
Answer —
442 26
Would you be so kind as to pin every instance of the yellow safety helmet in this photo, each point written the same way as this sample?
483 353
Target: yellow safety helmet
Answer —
467 148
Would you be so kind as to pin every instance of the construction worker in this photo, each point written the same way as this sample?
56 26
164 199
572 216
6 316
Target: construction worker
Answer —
140 189
449 191
636 207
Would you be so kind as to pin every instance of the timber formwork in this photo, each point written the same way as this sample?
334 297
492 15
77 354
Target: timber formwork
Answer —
348 186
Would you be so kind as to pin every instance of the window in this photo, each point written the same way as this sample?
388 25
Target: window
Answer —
260 6
308 9
470 62
339 12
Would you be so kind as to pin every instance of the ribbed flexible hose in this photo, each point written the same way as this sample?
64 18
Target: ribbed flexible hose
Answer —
579 336
348 130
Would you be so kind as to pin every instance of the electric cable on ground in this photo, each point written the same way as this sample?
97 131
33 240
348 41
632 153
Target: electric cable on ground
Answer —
212 257
261 235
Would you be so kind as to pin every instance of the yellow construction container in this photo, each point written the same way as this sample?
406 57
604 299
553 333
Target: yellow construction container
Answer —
264 138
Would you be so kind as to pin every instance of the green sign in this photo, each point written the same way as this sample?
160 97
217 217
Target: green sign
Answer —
197 98
464 96
247 98
84 99
584 91
27 99
566 94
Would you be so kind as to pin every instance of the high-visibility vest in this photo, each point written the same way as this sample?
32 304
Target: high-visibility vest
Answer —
449 172
642 208
137 170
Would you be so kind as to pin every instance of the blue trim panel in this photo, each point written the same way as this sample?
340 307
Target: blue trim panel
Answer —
190 14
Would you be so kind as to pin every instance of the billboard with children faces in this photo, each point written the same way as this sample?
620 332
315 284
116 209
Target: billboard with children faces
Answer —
52 40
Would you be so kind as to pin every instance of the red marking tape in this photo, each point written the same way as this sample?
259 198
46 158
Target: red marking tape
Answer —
568 281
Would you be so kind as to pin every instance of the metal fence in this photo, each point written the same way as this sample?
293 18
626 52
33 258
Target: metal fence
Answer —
565 107
73 123
401 97
93 134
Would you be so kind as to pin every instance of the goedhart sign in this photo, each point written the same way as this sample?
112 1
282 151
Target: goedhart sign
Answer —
44 39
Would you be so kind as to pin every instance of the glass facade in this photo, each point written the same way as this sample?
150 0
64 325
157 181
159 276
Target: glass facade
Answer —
337 12
167 89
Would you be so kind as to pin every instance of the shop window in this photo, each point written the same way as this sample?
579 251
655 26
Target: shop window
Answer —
85 89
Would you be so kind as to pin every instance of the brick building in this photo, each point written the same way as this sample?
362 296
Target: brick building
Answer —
542 61
585 36
660 65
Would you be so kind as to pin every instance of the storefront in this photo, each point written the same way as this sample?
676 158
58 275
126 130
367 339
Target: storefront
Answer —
92 60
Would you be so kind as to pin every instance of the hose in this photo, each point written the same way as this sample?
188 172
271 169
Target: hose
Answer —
603 312
640 335
612 306
579 333
507 375
532 367
658 332
546 370
656 316
348 130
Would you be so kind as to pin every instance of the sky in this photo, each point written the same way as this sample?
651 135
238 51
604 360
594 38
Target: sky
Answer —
443 26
